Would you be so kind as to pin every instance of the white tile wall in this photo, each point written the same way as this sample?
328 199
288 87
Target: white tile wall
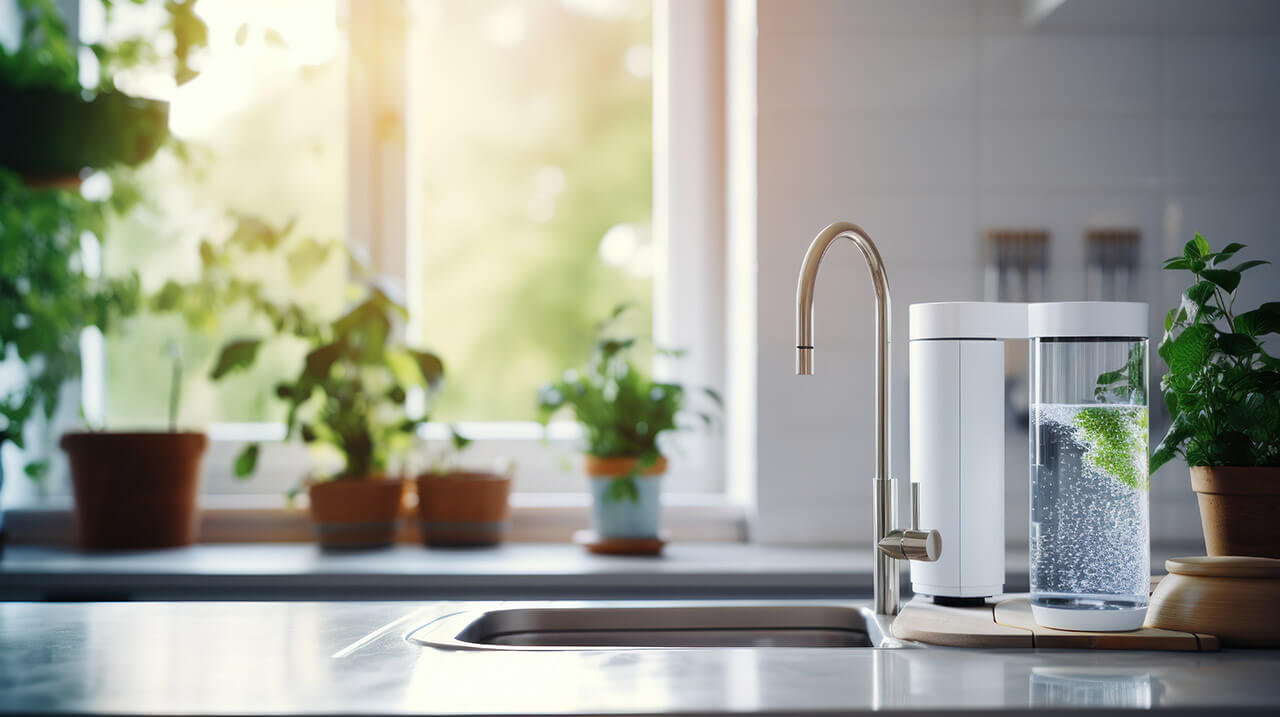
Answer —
927 121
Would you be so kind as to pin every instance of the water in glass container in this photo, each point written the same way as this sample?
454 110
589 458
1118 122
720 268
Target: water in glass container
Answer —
1090 544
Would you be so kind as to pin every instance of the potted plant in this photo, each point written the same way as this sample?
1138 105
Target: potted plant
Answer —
623 414
46 301
1223 393
66 126
349 398
459 506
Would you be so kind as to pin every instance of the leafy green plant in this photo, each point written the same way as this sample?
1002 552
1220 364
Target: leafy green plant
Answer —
622 411
46 299
1222 388
350 392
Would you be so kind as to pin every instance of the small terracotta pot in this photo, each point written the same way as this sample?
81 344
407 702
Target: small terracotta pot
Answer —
463 508
356 512
599 467
135 490
1238 509
640 518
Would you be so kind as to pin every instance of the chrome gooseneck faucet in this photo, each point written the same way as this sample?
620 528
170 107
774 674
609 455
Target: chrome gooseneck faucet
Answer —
892 545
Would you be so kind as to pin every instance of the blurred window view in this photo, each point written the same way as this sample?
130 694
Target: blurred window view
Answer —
532 171
534 162
263 131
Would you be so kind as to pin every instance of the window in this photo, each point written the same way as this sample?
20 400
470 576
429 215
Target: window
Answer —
494 156
264 133
534 162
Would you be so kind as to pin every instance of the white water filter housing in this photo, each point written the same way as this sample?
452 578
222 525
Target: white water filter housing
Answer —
957 442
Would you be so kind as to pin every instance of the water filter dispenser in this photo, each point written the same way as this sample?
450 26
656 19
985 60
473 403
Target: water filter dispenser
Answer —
1089 531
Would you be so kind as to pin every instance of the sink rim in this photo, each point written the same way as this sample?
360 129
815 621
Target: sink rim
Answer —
455 630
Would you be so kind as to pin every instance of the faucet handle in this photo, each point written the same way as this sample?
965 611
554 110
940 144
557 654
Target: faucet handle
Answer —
921 545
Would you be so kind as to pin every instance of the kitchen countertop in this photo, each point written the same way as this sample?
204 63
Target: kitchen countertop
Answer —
331 658
284 571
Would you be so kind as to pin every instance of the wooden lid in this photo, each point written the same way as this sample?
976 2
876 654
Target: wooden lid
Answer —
1224 566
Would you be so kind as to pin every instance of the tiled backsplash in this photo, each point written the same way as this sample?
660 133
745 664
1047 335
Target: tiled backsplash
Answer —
929 122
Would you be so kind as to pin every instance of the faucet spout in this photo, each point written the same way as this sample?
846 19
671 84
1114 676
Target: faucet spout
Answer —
804 322
885 579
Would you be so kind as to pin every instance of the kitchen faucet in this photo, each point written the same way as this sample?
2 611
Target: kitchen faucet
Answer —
892 544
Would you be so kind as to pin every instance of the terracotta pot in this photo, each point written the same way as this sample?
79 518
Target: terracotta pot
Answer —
1238 509
598 467
356 512
463 509
640 518
135 490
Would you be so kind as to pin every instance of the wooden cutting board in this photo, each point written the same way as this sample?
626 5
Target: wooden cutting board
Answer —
1006 622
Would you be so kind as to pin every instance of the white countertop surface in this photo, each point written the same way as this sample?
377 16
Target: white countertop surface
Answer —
351 658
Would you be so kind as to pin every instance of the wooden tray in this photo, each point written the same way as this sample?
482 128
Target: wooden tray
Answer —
1006 622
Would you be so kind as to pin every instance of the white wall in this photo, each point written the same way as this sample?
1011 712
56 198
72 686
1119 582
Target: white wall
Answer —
928 121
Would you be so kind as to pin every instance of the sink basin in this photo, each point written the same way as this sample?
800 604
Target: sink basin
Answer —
654 627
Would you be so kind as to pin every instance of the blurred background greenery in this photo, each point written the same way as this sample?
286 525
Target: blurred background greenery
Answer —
534 159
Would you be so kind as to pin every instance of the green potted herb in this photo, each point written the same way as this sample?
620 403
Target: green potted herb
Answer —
349 398
623 414
461 506
1223 392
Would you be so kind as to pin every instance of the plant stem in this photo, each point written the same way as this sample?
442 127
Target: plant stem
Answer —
175 386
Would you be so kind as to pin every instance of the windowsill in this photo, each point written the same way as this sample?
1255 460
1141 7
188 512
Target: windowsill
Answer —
408 572
687 570
265 518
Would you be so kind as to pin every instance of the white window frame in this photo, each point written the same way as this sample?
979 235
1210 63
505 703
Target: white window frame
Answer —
689 278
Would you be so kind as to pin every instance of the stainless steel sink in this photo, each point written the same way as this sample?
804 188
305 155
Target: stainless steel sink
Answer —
656 627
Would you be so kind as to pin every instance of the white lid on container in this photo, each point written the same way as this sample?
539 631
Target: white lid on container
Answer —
1087 319
967 320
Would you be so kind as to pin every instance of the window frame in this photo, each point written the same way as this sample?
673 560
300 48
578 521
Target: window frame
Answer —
689 276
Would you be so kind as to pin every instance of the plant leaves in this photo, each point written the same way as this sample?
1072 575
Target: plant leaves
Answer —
1197 248
430 366
1224 278
1227 252
234 356
1200 293
1246 265
246 461
1238 345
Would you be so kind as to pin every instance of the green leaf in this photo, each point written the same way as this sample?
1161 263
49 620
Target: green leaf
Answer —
1197 248
1176 263
1187 351
1200 292
1261 321
247 461
459 441
319 361
1224 278
36 470
430 366
1246 265
1227 252
1237 345
235 356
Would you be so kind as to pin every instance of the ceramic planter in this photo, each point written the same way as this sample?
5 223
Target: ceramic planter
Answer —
135 490
356 512
622 518
463 509
1238 509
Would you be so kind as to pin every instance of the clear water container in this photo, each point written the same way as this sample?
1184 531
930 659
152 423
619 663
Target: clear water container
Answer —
1090 535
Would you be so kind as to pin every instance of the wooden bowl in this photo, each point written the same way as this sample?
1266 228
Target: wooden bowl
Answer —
1235 598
